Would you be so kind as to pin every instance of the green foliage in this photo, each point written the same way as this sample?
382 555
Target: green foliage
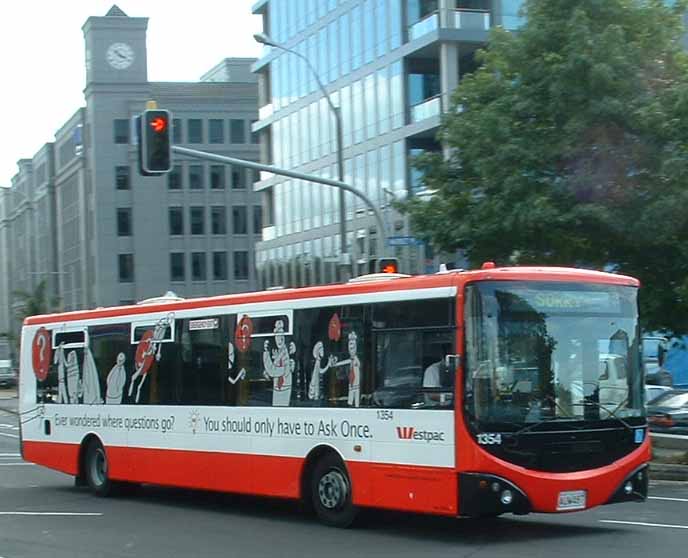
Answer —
568 146
35 302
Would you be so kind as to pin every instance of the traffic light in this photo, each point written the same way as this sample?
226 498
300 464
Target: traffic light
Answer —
388 265
155 154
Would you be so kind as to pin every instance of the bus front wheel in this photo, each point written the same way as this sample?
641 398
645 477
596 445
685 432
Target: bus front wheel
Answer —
96 469
331 492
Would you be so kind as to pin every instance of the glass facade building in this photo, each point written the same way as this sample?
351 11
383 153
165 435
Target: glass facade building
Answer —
390 65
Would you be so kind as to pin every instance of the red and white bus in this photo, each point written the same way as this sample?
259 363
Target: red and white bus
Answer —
462 393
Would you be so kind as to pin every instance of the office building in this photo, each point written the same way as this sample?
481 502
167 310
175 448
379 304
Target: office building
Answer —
79 215
391 66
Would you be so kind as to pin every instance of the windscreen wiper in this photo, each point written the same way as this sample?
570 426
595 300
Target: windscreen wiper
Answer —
612 413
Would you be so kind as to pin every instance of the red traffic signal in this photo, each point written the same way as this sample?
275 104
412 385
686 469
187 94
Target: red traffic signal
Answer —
388 265
159 124
155 150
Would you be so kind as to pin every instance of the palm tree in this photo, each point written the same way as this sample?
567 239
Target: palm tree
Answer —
30 304
34 303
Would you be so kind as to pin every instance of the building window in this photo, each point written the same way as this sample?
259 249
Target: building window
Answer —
217 177
237 131
176 130
126 268
238 178
177 269
122 178
174 178
176 220
218 221
257 219
196 177
121 129
239 224
216 131
124 221
220 266
198 266
197 220
241 265
255 137
195 130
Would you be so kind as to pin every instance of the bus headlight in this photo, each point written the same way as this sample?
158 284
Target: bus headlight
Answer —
506 497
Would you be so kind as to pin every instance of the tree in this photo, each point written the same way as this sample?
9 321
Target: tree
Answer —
568 146
31 303
35 302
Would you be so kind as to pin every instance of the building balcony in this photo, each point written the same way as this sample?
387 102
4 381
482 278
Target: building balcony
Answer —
269 233
265 111
469 21
426 25
426 109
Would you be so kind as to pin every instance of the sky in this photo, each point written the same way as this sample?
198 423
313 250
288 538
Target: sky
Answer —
42 60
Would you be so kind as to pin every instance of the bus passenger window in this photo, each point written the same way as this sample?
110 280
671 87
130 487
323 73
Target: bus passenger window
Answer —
412 371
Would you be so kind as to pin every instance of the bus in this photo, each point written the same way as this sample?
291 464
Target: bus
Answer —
463 393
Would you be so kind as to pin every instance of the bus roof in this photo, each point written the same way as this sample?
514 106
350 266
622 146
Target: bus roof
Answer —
445 279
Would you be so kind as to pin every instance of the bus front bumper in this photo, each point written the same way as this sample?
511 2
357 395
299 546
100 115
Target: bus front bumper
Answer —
482 495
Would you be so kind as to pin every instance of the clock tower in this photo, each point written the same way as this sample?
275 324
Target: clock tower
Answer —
115 49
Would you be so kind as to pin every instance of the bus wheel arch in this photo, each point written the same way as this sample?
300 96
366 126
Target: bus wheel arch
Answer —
326 487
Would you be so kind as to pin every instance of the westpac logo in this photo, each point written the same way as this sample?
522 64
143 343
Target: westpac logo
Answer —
410 433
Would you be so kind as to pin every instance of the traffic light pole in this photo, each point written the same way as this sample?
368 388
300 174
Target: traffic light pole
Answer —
291 174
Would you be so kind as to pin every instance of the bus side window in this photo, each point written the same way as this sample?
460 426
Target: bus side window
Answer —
110 346
204 354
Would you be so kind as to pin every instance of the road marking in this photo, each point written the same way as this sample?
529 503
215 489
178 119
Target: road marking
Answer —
10 455
668 499
9 435
18 464
643 524
67 514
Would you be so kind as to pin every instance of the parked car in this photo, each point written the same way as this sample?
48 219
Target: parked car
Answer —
668 413
8 377
652 392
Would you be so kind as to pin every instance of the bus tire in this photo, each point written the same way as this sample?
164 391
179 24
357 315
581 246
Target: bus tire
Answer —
96 469
331 492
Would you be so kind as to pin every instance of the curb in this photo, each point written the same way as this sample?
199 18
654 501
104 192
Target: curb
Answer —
668 471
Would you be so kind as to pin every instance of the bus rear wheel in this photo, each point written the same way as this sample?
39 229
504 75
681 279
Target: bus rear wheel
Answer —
331 492
96 469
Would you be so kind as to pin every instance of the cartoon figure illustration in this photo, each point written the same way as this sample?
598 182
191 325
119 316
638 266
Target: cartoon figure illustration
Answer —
149 347
354 371
90 382
74 389
115 381
230 364
61 362
279 366
314 387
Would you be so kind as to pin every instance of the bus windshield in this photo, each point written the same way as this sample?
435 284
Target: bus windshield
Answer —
551 351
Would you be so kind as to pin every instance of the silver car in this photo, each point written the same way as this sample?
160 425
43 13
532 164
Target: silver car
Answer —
8 377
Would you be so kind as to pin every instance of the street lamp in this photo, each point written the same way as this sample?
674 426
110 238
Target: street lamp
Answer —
345 257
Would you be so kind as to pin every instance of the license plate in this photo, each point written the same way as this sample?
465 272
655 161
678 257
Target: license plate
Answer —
571 500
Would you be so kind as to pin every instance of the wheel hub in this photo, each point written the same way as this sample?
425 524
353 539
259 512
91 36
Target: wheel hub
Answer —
333 490
99 467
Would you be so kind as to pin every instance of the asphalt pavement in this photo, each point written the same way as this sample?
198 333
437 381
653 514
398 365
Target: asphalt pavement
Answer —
42 514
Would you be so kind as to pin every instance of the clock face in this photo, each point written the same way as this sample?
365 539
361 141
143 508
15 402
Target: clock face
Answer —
120 55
